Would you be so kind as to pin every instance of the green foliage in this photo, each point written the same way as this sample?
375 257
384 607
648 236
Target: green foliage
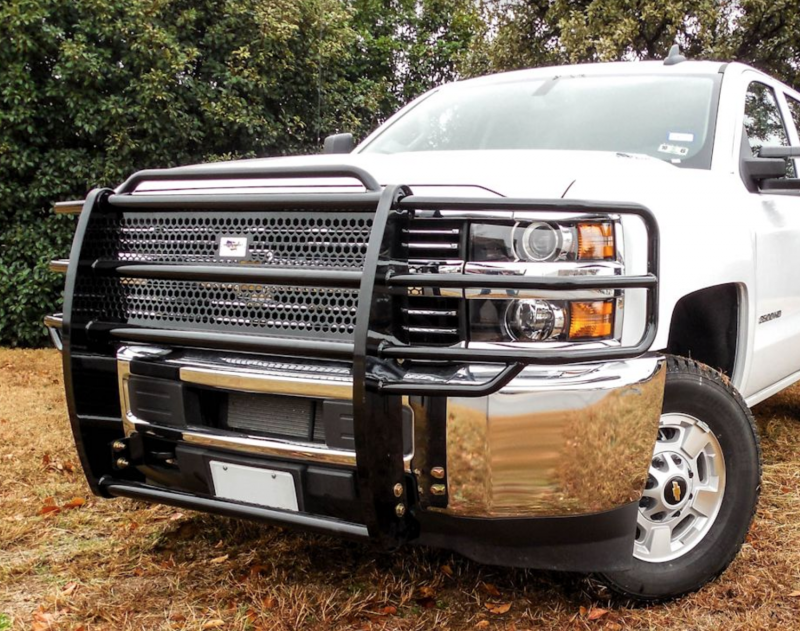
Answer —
92 91
763 33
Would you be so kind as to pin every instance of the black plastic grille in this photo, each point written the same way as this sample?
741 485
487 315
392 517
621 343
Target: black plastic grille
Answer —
333 239
285 311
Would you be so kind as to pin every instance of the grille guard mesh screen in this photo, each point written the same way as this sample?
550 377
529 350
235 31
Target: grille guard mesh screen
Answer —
335 239
284 311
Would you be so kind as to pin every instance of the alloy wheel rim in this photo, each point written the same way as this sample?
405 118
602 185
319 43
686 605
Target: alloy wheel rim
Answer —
684 491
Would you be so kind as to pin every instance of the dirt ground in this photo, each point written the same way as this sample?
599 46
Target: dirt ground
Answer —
71 561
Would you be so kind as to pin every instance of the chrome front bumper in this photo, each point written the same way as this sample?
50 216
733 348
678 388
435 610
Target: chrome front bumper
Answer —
555 441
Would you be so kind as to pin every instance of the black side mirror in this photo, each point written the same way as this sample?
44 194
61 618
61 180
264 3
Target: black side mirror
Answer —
779 152
780 182
755 169
758 168
339 143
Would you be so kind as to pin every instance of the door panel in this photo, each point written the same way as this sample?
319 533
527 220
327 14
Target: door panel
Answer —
777 226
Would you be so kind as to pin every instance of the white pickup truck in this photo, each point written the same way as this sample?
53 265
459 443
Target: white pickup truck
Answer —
525 320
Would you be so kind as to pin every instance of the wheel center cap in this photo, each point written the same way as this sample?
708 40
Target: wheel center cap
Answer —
675 491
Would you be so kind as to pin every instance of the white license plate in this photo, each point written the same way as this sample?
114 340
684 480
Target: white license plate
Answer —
265 487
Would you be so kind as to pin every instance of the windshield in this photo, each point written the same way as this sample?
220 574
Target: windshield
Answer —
667 117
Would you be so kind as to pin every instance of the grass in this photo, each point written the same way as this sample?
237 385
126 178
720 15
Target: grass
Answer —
118 564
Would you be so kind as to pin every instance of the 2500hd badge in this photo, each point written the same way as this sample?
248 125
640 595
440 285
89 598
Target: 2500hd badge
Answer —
508 323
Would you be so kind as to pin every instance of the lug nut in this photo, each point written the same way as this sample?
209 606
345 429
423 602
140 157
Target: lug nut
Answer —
438 473
438 489
398 490
676 460
122 463
400 510
118 445
658 462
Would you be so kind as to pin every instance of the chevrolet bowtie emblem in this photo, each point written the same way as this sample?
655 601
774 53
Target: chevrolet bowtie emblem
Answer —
676 491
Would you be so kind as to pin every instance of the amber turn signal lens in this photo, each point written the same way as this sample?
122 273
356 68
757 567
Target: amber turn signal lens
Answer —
595 241
591 320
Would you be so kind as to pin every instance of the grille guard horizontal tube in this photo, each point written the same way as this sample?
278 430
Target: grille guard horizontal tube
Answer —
287 347
502 379
245 201
420 202
299 277
251 172
491 281
327 525
505 355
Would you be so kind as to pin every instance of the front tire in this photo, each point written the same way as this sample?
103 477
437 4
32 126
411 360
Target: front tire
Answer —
702 488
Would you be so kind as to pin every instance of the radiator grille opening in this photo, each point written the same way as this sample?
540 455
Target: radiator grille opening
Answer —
278 416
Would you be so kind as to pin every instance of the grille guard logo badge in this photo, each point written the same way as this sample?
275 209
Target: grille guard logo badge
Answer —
232 247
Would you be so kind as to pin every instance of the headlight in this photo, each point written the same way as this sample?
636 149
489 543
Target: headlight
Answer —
544 241
536 320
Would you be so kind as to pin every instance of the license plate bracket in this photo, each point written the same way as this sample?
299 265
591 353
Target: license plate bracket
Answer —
254 485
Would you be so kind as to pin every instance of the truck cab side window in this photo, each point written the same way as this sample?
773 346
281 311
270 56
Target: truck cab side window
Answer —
794 110
763 122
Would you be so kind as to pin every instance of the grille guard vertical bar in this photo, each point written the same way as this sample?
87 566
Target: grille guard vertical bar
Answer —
95 199
377 417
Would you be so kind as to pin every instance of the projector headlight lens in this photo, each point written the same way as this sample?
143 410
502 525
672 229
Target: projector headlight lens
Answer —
534 320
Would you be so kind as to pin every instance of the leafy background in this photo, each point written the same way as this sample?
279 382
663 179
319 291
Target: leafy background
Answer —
92 91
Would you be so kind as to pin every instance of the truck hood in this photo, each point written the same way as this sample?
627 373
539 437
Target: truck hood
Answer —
531 174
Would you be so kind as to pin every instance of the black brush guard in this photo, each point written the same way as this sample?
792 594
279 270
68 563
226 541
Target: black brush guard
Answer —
375 352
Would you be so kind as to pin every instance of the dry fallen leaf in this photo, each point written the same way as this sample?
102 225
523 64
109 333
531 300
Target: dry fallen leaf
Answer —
498 608
447 570
482 624
256 569
69 588
426 591
221 559
269 602
795 594
49 509
595 613
75 502
490 589
213 624
388 610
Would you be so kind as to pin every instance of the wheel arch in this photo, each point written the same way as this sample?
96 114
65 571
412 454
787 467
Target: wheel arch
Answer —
708 326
